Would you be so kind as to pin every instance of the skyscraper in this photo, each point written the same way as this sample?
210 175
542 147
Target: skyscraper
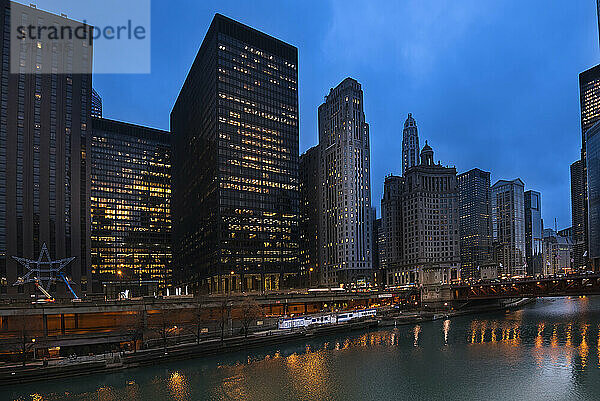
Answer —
593 180
589 96
130 204
44 182
96 104
410 144
345 192
579 216
235 163
475 221
508 226
423 225
309 216
533 232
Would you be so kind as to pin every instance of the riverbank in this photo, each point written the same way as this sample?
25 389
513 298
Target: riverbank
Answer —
111 363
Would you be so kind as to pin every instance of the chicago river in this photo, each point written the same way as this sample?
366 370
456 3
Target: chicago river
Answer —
548 350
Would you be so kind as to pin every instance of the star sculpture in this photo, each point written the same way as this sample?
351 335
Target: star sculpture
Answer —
43 271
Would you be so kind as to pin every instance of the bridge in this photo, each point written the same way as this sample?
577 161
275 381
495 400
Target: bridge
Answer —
572 285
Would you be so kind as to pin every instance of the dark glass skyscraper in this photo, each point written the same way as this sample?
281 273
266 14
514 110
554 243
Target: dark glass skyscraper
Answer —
309 216
533 232
44 178
593 179
589 95
475 221
130 203
235 163
96 104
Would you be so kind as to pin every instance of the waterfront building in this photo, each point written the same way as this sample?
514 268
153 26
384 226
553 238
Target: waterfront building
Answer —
44 182
557 253
130 205
309 217
410 144
391 226
235 163
508 226
475 221
96 105
424 205
378 244
578 215
344 190
589 97
533 232
593 182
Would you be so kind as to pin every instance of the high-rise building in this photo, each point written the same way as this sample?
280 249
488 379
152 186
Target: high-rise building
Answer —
593 181
589 96
533 232
424 224
235 163
391 225
475 221
345 192
309 216
44 180
96 104
579 215
130 205
410 144
508 226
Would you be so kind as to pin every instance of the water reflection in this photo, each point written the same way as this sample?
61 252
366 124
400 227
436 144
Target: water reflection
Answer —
545 351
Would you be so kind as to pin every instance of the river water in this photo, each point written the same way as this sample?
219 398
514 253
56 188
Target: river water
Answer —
549 350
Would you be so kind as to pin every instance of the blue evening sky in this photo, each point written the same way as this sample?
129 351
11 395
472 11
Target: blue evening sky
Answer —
492 84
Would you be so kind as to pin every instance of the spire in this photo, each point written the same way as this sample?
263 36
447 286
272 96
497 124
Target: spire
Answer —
410 144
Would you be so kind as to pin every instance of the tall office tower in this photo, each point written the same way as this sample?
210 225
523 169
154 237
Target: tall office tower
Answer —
130 205
309 216
380 278
345 192
428 235
376 233
475 216
43 172
235 163
533 233
410 144
593 180
578 208
96 104
589 96
508 226
391 226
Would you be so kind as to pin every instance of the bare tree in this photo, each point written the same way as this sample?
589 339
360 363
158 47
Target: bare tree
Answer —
138 328
26 337
198 320
166 326
250 312
223 313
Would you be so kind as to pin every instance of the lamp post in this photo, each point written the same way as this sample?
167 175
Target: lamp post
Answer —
120 278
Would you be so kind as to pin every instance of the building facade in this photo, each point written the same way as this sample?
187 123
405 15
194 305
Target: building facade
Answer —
475 221
235 163
410 144
391 226
44 174
427 206
96 104
533 233
578 215
508 226
557 253
309 217
593 182
130 204
589 96
345 192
